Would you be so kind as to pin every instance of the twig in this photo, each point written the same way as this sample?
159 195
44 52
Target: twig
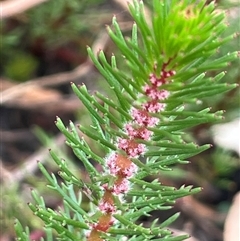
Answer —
6 176
71 76
202 215
231 227
13 7
80 72
30 164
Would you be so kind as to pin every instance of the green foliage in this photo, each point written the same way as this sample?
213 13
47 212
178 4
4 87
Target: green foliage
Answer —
44 28
21 68
59 21
170 58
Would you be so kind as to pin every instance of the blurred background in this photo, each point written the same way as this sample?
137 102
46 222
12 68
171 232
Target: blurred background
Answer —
42 50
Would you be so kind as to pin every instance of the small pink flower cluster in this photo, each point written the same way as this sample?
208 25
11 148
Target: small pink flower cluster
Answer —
156 95
120 163
121 166
142 119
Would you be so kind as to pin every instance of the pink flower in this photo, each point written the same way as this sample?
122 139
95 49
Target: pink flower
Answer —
130 171
123 143
139 116
151 92
154 93
106 207
121 187
111 162
144 134
131 132
166 74
153 121
163 94
135 152
142 118
120 165
137 132
154 107
153 79
156 81
132 148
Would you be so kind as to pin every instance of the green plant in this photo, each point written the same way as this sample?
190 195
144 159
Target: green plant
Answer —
141 130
